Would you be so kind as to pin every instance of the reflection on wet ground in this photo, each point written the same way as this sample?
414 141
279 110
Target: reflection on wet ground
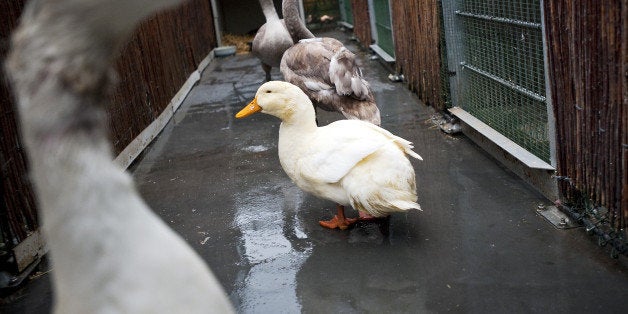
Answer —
270 283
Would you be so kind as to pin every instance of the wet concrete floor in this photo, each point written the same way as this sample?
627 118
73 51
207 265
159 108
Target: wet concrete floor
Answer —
478 246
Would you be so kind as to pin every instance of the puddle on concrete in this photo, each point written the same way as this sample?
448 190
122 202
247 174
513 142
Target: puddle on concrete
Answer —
264 216
256 148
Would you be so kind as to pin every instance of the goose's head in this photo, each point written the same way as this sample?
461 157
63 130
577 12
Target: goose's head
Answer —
280 99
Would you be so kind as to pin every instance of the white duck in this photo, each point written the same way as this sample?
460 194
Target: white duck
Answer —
326 71
272 39
349 162
111 253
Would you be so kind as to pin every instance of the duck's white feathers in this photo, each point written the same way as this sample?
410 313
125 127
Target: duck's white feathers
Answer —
353 163
350 162
353 141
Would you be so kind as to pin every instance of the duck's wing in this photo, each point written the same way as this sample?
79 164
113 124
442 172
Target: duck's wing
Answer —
325 64
340 146
328 73
403 144
346 76
308 61
334 152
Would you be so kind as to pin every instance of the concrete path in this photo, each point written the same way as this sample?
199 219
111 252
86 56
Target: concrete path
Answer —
478 246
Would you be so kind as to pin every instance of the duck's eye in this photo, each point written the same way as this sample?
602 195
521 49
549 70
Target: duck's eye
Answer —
268 91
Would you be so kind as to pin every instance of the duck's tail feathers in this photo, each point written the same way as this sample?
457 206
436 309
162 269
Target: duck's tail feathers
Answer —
402 143
346 76
406 146
413 154
406 205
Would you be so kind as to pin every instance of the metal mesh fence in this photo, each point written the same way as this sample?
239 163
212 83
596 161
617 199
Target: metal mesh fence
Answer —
346 11
502 78
445 91
383 26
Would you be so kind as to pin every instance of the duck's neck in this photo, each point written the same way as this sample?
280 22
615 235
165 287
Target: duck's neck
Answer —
294 135
291 16
302 121
268 7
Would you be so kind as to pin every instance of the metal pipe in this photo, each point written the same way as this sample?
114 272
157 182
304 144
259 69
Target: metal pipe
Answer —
499 19
217 26
551 119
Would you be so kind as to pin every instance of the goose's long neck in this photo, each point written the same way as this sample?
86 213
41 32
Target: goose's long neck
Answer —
291 16
59 66
268 8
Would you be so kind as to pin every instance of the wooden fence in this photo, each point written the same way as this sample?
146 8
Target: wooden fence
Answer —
362 22
417 35
18 217
152 67
588 61
156 62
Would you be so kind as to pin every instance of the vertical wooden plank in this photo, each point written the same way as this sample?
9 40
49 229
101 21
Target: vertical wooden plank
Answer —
588 60
157 61
362 22
623 112
18 216
417 36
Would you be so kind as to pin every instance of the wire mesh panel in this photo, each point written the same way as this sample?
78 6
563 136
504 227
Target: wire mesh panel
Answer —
445 90
346 11
383 26
502 78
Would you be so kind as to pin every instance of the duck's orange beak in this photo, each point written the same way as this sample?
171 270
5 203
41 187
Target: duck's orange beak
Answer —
250 109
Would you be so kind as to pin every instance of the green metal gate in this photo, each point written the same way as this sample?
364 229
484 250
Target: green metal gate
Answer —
346 11
495 50
383 26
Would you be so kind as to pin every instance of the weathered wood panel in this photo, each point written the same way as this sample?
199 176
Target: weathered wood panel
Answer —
18 216
417 34
362 22
151 68
155 63
588 61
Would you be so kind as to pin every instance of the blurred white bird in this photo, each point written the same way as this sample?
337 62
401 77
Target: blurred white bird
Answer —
111 253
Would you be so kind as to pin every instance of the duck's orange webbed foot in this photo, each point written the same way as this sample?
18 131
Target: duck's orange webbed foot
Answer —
336 222
339 220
